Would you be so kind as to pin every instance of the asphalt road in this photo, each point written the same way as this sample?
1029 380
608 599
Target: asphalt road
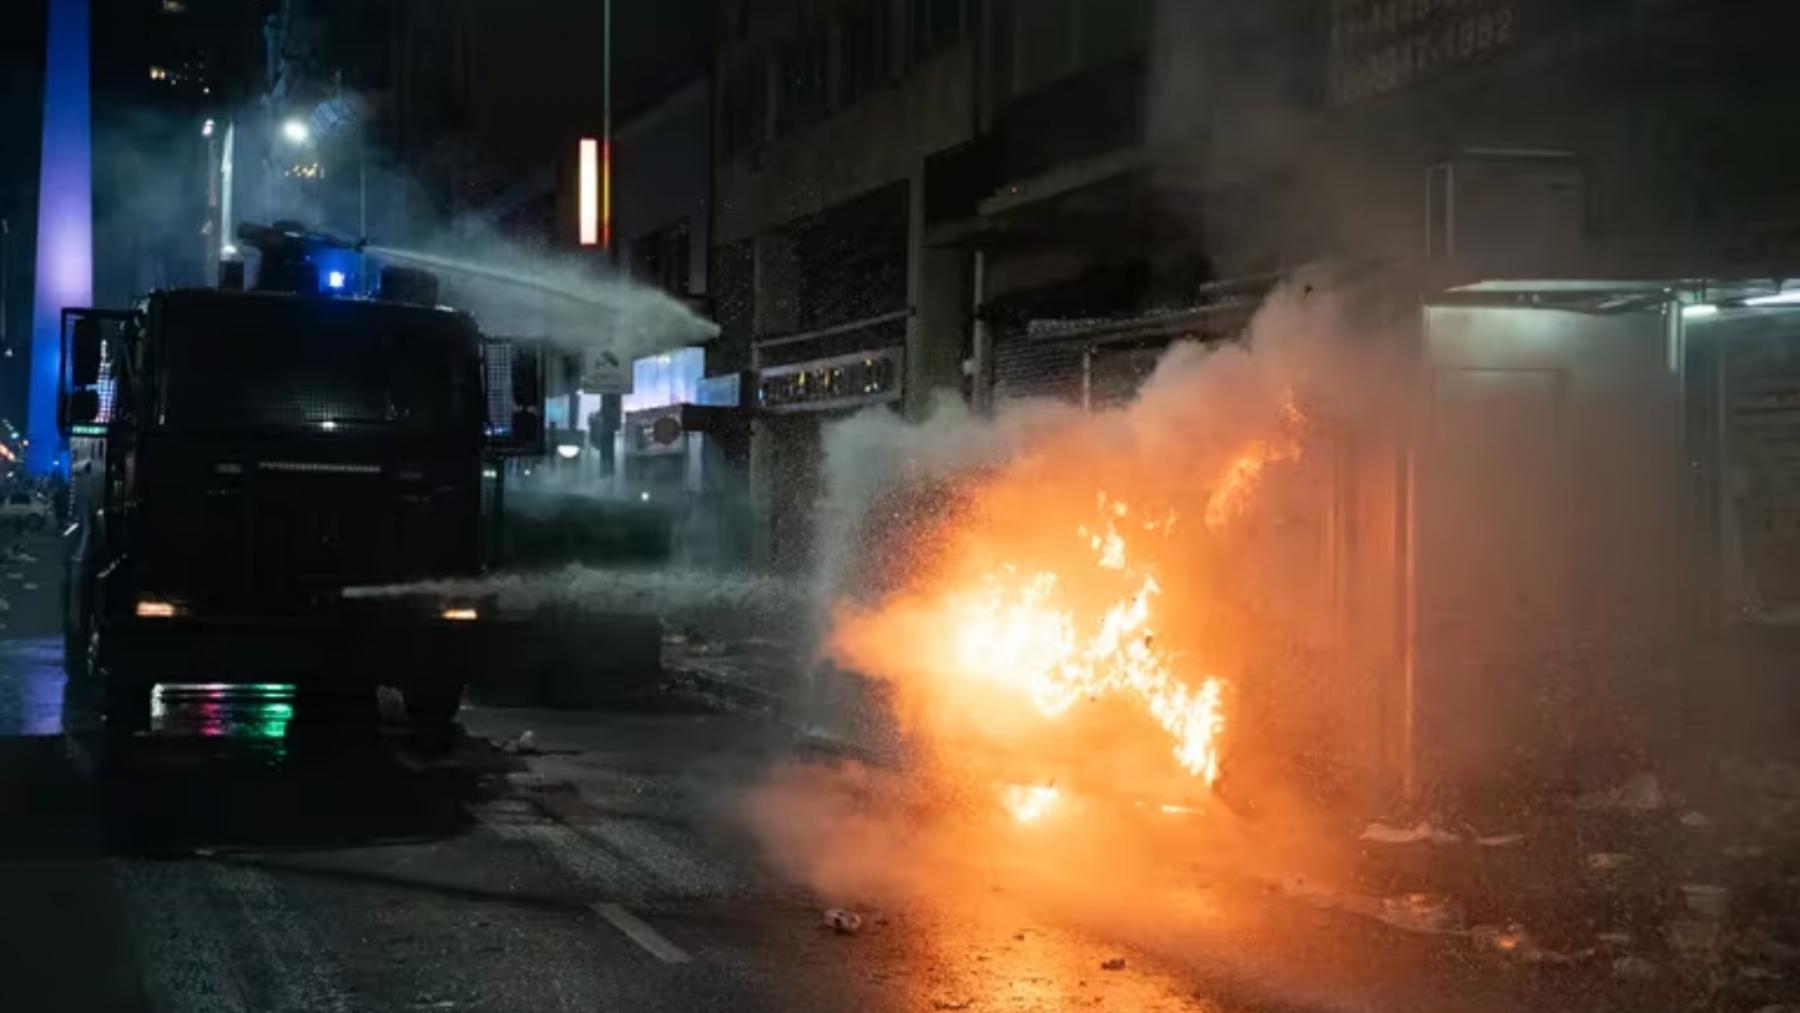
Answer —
336 866
250 857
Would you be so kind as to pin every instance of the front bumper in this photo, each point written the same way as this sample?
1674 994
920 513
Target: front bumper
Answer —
337 649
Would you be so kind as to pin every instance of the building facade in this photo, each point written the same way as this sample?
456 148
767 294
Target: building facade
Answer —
866 154
1033 197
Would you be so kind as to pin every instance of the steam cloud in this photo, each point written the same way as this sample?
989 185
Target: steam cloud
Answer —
852 833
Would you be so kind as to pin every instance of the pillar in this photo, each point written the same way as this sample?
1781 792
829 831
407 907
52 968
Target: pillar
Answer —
65 232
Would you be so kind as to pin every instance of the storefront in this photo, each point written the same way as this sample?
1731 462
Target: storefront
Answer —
794 401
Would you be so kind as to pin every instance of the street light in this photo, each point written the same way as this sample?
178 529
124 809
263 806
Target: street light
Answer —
295 131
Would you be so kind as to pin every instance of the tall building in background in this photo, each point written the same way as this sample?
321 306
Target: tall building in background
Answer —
65 235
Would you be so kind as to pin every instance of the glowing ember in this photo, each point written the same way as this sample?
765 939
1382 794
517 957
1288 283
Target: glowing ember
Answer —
1232 493
1029 803
1050 594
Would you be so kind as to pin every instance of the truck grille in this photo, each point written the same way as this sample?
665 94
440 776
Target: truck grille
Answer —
284 536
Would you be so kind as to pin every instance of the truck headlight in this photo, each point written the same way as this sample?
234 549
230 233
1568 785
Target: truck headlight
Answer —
461 614
151 609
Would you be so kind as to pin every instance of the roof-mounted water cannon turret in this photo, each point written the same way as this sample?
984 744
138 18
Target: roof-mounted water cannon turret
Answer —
296 259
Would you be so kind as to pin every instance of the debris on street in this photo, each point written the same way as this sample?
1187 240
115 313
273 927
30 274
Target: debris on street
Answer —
1642 793
844 923
1421 912
1712 903
1694 940
1381 833
1607 861
1512 940
1114 964
1631 968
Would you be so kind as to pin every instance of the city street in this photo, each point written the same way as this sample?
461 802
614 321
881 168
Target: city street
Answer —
938 505
340 867
339 870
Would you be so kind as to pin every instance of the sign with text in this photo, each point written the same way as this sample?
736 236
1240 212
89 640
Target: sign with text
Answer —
604 372
844 381
1382 46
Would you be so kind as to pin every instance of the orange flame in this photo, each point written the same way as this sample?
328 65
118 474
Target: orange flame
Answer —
1020 613
1017 633
1232 493
1028 804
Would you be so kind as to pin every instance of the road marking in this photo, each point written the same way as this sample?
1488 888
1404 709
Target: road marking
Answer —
640 932
218 937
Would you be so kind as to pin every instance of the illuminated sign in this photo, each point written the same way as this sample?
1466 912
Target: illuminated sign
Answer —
589 209
844 381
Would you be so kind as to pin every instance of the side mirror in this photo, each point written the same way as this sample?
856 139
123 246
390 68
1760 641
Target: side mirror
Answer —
84 353
81 407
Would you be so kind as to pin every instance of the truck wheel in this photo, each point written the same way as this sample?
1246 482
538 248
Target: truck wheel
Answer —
124 703
35 523
432 707
125 708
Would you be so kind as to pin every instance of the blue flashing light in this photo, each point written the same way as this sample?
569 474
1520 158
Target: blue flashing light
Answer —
334 280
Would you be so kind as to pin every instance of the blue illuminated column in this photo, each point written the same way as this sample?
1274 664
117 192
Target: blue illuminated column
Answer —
65 234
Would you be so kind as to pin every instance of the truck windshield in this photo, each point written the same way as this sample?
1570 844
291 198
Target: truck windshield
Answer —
275 363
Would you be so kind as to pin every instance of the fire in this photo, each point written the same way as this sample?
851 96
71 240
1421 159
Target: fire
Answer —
1045 596
1018 632
1231 495
1029 803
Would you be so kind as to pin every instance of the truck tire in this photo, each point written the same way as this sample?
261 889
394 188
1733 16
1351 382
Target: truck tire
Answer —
35 523
123 704
432 707
125 708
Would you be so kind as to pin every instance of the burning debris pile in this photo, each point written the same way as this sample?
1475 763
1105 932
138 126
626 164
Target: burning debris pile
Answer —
1079 608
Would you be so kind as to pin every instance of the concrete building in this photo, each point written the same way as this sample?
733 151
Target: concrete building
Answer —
1035 197
864 153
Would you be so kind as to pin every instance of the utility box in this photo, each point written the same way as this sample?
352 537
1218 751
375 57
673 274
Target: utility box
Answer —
1551 532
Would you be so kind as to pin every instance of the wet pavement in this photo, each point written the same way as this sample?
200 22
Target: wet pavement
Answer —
259 852
250 855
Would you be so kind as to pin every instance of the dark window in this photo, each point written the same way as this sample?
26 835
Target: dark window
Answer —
742 109
1042 46
327 366
937 25
664 258
733 284
803 67
1113 28
866 49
